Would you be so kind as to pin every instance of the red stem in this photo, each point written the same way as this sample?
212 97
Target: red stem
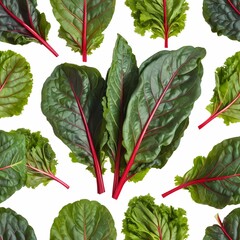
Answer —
29 29
84 32
197 181
222 227
97 166
49 174
216 113
165 23
234 8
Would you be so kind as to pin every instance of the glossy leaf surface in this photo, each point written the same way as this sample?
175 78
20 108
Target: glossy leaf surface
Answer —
14 227
83 219
15 83
223 17
231 225
146 220
83 22
72 102
12 164
164 18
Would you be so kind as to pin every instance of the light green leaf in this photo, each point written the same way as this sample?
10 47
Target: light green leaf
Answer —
83 219
15 83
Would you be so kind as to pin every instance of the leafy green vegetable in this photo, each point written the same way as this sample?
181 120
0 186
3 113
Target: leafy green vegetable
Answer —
225 101
82 22
223 17
158 110
12 164
163 18
15 83
83 219
21 23
214 180
228 230
71 101
41 162
14 227
146 220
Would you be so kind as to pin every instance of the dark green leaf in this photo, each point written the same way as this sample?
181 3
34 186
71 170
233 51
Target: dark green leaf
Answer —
71 101
12 164
231 225
83 22
225 102
14 226
83 219
223 16
214 180
15 83
164 18
146 220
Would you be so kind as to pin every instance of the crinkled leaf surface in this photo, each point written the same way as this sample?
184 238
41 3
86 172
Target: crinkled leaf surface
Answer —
13 32
223 16
83 219
163 18
122 80
41 162
225 102
146 220
12 164
158 110
83 22
15 83
14 227
214 180
231 224
72 102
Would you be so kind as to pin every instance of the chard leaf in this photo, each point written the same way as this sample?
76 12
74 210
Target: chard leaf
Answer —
214 180
41 162
223 17
83 219
146 220
225 102
15 83
228 229
83 22
22 23
169 85
122 79
14 227
71 101
12 164
163 18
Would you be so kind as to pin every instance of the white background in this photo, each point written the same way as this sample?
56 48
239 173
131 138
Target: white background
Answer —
41 206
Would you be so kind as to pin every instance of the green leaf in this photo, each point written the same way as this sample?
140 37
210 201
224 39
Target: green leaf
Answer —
71 101
230 227
41 162
163 101
15 83
223 17
83 22
83 219
225 102
22 23
12 164
163 18
14 227
214 180
146 220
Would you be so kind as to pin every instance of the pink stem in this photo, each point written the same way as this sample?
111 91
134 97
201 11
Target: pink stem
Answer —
165 24
234 8
84 32
197 181
34 33
222 227
49 174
